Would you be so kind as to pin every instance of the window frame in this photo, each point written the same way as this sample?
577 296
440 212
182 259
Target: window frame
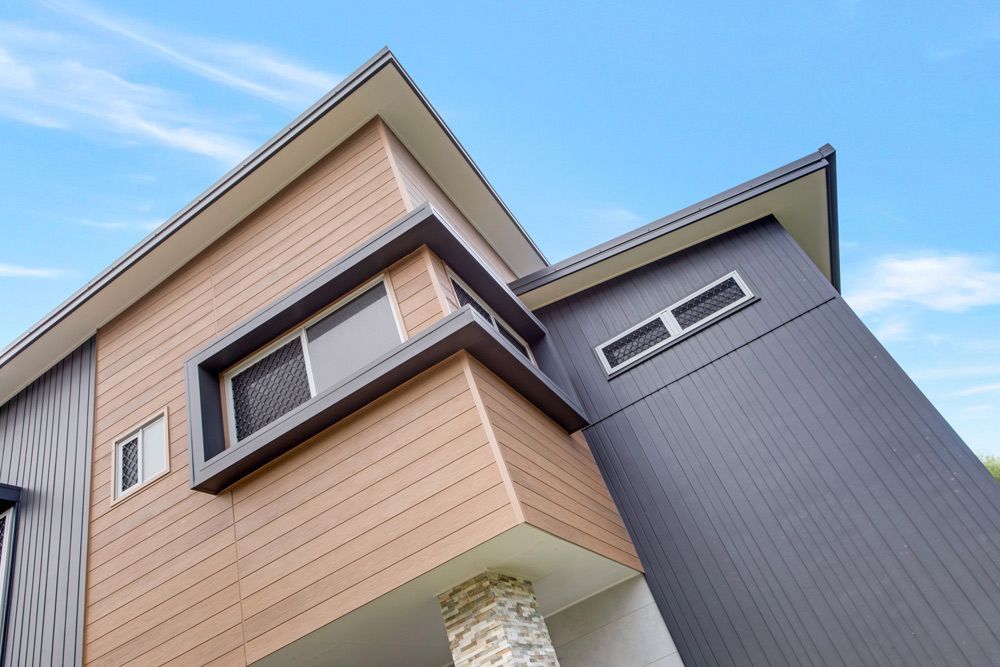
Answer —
497 321
675 330
117 492
6 564
299 331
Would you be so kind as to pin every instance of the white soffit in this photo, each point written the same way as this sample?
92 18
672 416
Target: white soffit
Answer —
799 205
404 626
379 88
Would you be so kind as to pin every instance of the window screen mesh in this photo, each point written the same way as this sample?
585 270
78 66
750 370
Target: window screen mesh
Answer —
513 340
130 463
3 532
707 303
635 342
270 388
466 298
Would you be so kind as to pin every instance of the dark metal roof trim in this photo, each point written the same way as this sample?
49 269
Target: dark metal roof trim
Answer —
824 158
384 57
462 330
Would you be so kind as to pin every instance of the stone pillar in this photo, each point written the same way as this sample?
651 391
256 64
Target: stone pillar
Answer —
493 619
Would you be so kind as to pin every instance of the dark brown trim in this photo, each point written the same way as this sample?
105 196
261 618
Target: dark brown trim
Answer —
462 330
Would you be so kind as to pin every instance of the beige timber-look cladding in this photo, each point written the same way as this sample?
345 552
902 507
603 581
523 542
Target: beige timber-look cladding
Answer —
397 489
418 187
417 477
162 580
555 478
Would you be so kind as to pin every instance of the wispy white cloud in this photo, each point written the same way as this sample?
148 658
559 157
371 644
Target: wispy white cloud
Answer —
246 67
952 282
957 372
981 389
893 329
48 87
15 271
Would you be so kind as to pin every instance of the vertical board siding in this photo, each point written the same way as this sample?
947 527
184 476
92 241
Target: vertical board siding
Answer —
321 531
420 188
554 475
45 435
795 499
163 583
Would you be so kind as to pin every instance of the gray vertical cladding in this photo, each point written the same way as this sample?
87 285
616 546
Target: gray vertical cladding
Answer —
794 497
45 449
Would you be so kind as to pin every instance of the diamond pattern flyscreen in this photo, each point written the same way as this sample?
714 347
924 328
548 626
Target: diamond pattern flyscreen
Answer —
635 342
513 340
270 388
466 298
3 531
130 463
707 303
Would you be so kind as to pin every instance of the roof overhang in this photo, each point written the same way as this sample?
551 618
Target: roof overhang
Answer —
802 196
379 88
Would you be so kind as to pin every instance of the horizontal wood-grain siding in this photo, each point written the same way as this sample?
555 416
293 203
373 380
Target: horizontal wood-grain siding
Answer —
420 188
417 296
162 579
395 479
554 476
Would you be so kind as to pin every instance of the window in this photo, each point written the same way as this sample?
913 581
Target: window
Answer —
141 455
315 357
689 314
6 550
467 297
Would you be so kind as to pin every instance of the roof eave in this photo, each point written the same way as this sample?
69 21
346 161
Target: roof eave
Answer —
557 280
13 381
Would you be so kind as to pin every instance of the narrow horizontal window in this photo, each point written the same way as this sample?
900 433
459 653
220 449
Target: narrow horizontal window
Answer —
467 297
708 303
141 455
6 549
687 315
633 344
318 355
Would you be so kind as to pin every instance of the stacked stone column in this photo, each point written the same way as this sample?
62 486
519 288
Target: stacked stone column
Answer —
493 619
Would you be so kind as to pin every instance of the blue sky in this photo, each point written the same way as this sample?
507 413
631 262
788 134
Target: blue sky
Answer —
589 117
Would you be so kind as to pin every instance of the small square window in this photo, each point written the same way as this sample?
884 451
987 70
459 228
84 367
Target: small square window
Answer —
141 455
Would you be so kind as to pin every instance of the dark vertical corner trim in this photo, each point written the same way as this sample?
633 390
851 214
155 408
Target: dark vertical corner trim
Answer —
833 220
88 455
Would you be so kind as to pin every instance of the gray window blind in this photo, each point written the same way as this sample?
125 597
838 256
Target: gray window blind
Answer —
351 337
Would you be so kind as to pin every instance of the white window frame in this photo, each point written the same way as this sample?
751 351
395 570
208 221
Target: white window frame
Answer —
673 327
5 554
117 492
497 320
300 333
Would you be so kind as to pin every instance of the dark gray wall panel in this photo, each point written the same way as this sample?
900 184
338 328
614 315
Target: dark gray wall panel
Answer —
45 436
765 256
795 499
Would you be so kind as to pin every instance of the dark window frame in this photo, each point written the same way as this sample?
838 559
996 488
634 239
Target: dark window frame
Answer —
214 466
